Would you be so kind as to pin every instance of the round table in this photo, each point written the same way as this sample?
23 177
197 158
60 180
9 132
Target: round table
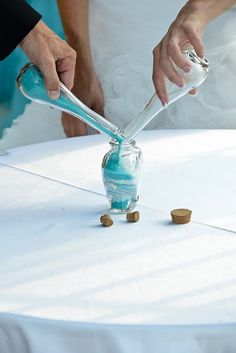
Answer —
70 285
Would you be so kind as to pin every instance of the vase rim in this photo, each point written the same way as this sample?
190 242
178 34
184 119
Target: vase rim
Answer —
124 143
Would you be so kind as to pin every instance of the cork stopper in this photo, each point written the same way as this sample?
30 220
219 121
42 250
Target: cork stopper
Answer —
106 220
133 216
181 215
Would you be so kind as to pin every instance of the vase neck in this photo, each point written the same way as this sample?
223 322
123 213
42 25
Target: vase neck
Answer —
124 145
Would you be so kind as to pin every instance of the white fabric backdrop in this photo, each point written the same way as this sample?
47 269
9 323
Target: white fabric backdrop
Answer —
123 35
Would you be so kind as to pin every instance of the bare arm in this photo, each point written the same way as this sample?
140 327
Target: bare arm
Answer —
74 15
188 27
213 8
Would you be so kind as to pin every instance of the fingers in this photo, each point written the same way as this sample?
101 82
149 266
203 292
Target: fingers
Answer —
98 108
66 67
52 83
162 66
53 56
176 55
194 38
54 70
159 82
60 66
193 92
72 126
80 129
167 65
168 52
65 124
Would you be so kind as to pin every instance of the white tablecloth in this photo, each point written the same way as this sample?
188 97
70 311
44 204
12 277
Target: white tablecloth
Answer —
182 168
69 285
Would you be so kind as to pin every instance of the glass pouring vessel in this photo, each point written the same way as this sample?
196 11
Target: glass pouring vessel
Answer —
31 83
193 79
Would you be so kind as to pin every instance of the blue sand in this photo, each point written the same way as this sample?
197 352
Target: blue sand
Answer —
120 183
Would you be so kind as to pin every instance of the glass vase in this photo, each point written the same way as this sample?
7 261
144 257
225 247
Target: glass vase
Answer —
121 172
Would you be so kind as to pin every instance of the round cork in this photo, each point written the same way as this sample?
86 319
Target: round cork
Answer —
133 216
181 215
106 220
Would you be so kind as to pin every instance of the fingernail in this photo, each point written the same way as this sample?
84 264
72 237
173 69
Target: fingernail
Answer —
54 94
180 84
165 106
187 69
163 101
194 94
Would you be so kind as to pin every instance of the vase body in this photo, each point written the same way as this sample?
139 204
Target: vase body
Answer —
121 172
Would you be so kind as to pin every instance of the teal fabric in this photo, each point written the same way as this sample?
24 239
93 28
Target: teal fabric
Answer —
12 102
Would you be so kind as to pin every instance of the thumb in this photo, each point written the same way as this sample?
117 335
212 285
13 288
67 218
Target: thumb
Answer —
51 79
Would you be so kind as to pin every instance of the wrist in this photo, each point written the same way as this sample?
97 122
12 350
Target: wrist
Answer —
30 34
35 34
199 9
208 10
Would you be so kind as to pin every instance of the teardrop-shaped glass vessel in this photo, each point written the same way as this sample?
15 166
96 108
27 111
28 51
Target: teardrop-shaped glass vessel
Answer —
31 83
193 79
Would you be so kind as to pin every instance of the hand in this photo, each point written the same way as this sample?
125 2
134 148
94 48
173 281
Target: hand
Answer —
88 89
187 29
52 55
